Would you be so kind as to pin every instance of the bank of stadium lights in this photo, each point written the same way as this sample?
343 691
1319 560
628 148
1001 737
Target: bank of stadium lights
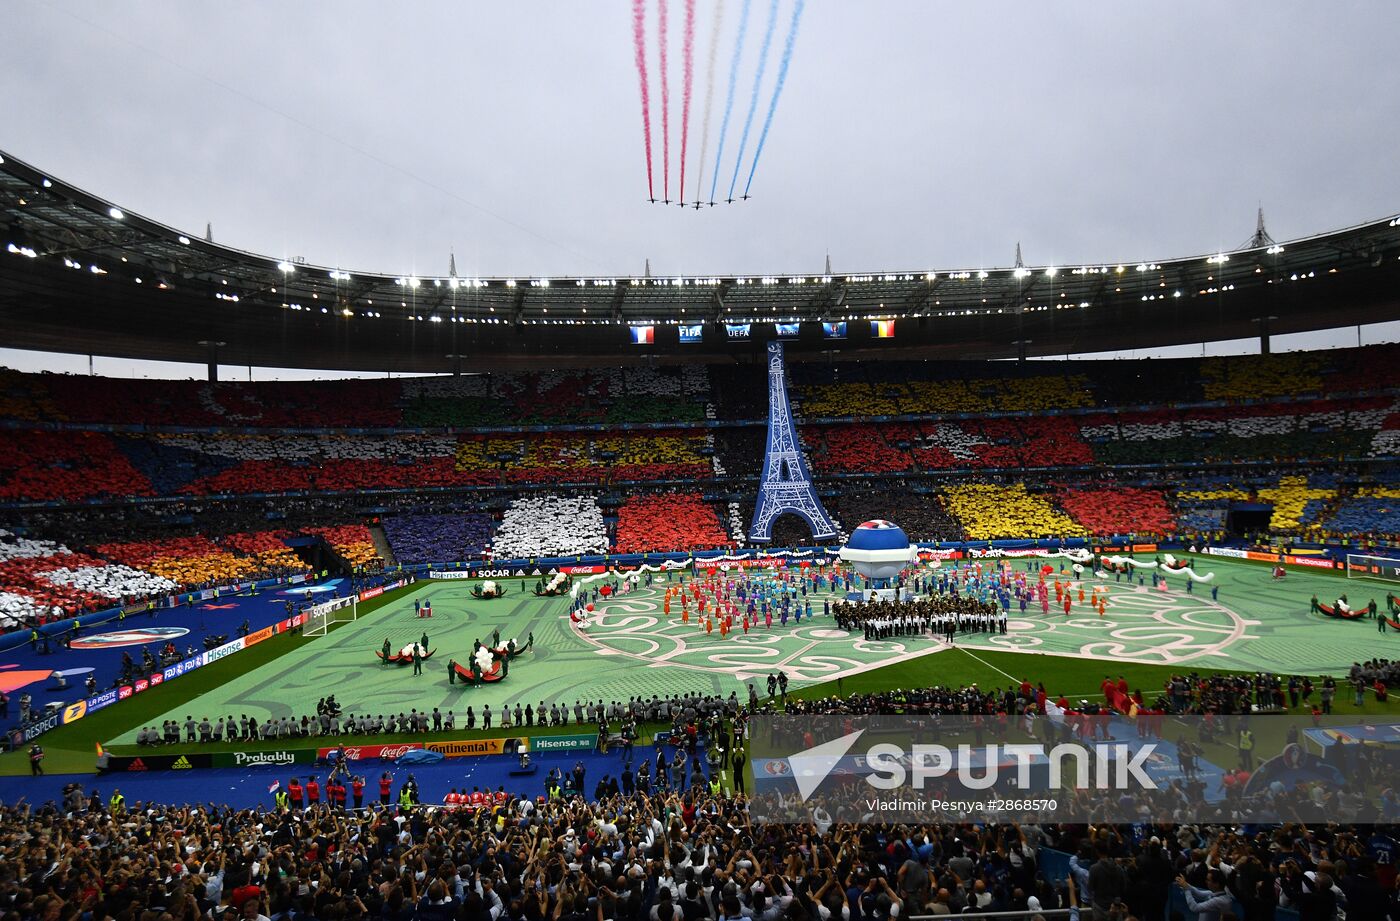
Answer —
338 275
115 213
1022 272
1217 259
286 268
184 240
18 250
1276 248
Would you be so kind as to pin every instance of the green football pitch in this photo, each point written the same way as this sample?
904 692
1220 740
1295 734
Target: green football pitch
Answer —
632 648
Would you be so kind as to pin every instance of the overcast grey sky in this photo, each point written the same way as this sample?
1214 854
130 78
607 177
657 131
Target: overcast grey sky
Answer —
910 135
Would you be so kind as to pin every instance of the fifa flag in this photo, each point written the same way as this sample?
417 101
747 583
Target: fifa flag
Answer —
882 329
643 335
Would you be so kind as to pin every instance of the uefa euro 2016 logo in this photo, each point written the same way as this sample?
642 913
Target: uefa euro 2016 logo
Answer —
138 637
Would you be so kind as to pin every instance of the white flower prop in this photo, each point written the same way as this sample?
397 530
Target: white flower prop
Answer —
488 587
484 658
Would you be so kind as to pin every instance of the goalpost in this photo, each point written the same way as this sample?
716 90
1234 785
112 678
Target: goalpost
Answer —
1364 566
319 618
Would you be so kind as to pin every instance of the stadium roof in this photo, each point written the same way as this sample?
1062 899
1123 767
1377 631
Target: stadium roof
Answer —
81 274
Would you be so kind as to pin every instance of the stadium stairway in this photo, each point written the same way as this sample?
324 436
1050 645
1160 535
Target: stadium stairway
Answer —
381 545
319 555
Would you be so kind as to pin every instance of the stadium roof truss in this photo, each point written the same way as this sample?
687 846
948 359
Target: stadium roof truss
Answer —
80 274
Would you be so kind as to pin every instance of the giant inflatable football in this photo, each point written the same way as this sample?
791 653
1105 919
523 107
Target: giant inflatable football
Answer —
878 549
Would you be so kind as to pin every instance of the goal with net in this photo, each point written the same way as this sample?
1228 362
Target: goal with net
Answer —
319 618
1363 566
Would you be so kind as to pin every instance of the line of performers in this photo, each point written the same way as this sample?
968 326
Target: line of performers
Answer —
1003 586
727 602
944 616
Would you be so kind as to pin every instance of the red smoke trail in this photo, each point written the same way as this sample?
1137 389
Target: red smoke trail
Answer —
665 103
688 56
639 41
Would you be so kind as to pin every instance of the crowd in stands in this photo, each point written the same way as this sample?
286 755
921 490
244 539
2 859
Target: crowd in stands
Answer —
698 851
668 521
1118 510
1371 510
917 510
353 543
664 856
41 580
74 466
441 537
990 512
682 393
550 525
198 560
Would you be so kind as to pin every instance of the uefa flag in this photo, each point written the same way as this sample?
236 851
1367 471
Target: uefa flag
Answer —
882 329
643 335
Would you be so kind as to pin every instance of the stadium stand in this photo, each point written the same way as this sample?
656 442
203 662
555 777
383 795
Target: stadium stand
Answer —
668 521
988 512
443 537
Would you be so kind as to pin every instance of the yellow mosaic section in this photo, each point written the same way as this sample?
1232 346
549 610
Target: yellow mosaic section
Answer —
1290 498
922 397
990 512
1261 376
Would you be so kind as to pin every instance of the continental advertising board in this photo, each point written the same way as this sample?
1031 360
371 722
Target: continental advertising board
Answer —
467 748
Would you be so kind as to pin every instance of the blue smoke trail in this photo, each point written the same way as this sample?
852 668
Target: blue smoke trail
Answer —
753 99
777 89
729 100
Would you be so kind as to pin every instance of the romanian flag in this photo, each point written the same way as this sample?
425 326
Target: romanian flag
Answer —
882 329
643 335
